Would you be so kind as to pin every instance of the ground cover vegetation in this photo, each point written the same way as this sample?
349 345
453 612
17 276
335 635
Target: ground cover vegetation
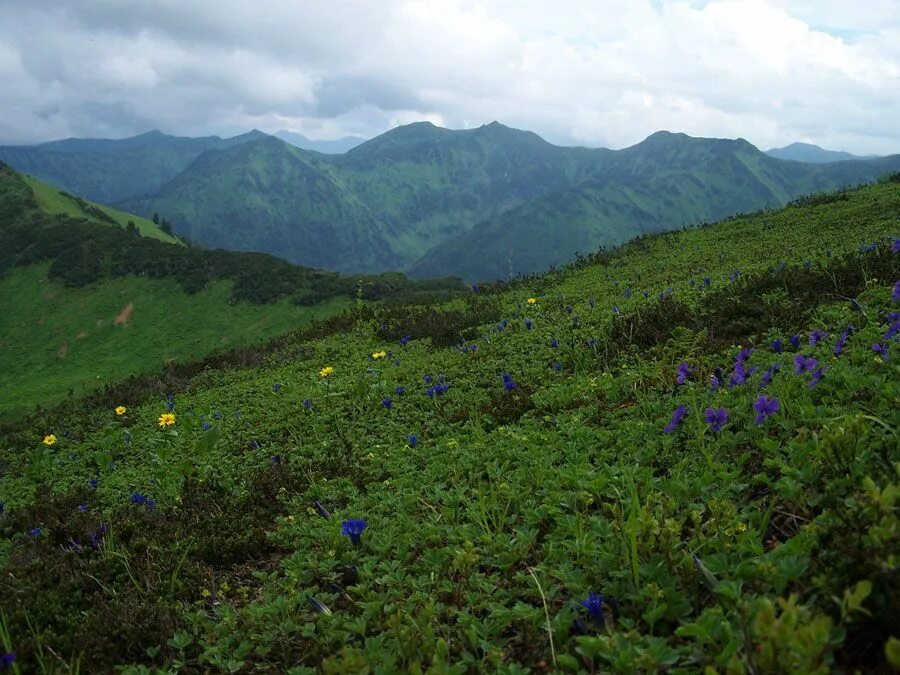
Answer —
680 455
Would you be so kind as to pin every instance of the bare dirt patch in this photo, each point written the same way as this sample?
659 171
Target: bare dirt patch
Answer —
63 351
123 316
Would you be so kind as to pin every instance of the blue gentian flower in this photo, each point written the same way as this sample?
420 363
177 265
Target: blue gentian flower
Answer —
895 247
97 537
627 293
557 366
143 500
412 440
893 330
307 404
816 377
767 376
795 341
895 296
765 407
677 417
387 403
616 310
554 343
206 426
508 383
399 390
528 324
881 350
804 364
93 483
839 345
777 345
717 418
683 372
707 281
594 606
816 337
404 340
35 532
353 529
427 379
170 402
2 508
569 309
7 659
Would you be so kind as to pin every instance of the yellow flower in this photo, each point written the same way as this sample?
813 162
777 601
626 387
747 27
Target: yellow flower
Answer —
532 301
120 410
379 355
326 371
166 420
49 440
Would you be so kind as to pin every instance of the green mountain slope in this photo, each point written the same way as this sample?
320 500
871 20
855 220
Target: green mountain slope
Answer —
565 491
666 182
83 303
266 195
807 152
110 171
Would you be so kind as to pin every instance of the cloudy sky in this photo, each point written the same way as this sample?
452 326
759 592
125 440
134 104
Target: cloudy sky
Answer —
591 72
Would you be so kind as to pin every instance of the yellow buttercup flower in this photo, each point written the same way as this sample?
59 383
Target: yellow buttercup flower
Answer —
532 301
379 355
166 420
326 371
120 410
49 440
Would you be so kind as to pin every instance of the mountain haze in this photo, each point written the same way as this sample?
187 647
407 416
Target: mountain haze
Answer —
813 154
336 146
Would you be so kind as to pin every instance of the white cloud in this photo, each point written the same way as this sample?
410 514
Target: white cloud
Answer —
591 72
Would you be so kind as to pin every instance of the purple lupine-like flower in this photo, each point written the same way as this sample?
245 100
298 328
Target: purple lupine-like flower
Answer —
777 345
765 407
387 403
683 372
816 337
594 606
677 418
881 350
716 418
353 529
412 440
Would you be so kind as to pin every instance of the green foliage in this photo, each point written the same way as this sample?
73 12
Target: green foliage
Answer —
766 546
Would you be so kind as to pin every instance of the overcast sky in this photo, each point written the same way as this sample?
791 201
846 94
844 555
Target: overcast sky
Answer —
597 73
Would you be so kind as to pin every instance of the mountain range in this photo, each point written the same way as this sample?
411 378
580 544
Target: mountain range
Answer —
483 203
813 154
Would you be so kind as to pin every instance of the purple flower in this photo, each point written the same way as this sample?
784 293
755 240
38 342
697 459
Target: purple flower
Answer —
412 440
594 606
206 426
528 324
399 390
717 418
717 379
677 417
839 345
83 508
804 364
307 404
143 500
93 483
881 350
707 281
895 296
276 388
816 337
683 372
627 293
895 247
7 659
427 379
353 529
795 341
816 377
777 345
97 537
767 376
508 383
35 532
765 407
616 310
893 330
554 343
387 403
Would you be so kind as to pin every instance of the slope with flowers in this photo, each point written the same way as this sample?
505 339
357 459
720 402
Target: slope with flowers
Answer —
679 455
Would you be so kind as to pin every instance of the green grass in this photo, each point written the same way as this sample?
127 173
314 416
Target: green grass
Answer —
762 548
52 200
54 339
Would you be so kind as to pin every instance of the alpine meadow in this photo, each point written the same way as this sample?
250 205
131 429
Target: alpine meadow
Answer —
382 387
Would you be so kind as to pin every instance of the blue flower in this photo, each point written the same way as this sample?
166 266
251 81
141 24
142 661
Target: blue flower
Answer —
816 337
569 309
206 426
767 376
508 383
765 407
427 379
881 350
143 500
594 606
804 364
895 296
387 403
2 508
97 537
895 247
795 341
707 281
321 510
616 310
353 529
893 330
627 293
399 390
816 377
307 404
404 340
35 532
677 417
412 440
717 379
777 345
717 418
83 508
170 402
554 343
93 483
276 388
683 372
7 659
557 366
528 324
475 288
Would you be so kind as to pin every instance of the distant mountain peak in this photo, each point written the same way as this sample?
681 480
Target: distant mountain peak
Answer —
800 151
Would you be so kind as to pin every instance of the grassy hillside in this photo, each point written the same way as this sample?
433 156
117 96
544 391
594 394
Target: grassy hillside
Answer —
634 465
57 202
84 302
